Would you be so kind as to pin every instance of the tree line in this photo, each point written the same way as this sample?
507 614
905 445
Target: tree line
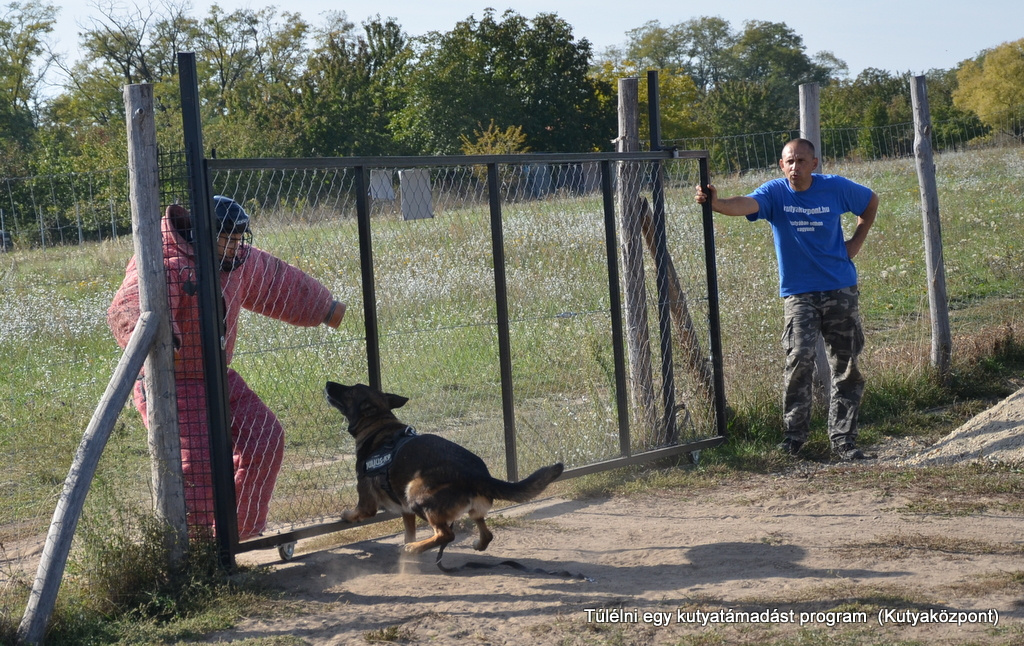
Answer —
273 84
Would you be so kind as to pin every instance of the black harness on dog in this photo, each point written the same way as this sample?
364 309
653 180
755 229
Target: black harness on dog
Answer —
379 462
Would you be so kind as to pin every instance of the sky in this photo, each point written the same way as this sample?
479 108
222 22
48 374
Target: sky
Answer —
893 35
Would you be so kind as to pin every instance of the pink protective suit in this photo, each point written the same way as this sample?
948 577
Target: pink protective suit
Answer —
263 284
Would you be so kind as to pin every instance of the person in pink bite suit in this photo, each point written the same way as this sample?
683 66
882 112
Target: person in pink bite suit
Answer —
249 278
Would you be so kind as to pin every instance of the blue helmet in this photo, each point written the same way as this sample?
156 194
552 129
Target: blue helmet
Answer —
232 219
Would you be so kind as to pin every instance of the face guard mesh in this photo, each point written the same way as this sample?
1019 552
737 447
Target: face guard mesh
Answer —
232 219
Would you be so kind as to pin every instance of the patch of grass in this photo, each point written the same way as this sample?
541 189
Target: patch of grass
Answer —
895 405
984 584
390 635
845 593
118 587
955 489
901 546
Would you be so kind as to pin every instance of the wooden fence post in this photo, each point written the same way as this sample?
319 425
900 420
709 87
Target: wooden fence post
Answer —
161 396
629 206
810 129
942 340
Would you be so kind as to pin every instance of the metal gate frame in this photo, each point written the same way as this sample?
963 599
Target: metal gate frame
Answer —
211 303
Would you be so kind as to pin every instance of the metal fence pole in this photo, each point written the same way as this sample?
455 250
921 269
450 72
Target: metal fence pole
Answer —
211 314
369 285
668 380
504 342
714 316
615 300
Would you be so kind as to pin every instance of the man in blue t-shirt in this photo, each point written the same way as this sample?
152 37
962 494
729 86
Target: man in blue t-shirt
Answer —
818 281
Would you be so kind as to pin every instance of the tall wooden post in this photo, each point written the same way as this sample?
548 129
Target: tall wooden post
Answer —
942 340
629 207
810 119
810 129
161 397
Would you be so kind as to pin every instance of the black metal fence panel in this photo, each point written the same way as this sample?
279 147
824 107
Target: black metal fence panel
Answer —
436 303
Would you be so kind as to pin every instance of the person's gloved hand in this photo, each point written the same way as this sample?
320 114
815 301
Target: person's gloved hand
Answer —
335 314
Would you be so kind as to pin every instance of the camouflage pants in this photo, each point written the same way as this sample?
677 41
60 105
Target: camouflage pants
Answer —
836 316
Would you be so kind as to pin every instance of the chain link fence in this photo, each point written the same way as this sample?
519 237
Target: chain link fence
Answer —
64 209
440 310
762 151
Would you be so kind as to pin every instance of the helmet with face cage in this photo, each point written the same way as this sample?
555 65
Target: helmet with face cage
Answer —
232 220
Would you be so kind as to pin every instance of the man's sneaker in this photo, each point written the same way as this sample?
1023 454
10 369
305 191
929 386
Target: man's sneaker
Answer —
848 451
789 446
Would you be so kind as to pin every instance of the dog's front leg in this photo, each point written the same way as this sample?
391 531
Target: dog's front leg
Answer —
365 508
357 514
409 520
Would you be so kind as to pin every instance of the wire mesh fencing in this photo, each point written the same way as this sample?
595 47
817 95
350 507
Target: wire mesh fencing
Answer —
448 283
63 209
762 150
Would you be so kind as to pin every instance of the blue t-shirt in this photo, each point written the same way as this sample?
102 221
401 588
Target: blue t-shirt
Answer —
809 240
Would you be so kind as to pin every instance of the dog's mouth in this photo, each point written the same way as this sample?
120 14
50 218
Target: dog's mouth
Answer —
332 397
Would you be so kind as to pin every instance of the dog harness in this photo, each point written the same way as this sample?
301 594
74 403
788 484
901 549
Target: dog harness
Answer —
379 462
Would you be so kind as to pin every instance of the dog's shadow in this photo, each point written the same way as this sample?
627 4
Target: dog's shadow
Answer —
320 575
326 569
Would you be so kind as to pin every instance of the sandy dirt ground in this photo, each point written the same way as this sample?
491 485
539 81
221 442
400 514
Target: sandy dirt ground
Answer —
766 557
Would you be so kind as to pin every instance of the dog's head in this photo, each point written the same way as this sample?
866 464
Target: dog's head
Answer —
361 402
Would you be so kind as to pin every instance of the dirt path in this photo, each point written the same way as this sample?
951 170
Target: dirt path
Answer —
718 561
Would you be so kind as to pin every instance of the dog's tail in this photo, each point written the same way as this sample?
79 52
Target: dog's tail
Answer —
528 488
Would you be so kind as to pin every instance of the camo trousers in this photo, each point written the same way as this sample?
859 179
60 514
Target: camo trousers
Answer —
836 316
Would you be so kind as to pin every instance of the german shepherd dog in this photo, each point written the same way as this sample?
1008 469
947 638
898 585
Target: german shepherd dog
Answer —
421 475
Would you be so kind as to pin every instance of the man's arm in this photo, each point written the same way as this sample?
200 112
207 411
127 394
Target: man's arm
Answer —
864 222
739 205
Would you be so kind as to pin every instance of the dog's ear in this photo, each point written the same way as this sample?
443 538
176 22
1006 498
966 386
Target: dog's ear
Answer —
395 401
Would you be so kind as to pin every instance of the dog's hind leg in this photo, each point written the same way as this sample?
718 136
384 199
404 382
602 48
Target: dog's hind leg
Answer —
443 535
485 535
409 521
478 511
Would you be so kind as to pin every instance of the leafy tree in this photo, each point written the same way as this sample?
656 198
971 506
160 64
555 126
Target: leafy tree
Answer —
772 56
652 45
120 48
23 61
773 52
952 126
24 57
352 89
844 104
709 42
681 101
992 85
833 66
748 79
701 48
250 67
514 71
742 107
867 105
